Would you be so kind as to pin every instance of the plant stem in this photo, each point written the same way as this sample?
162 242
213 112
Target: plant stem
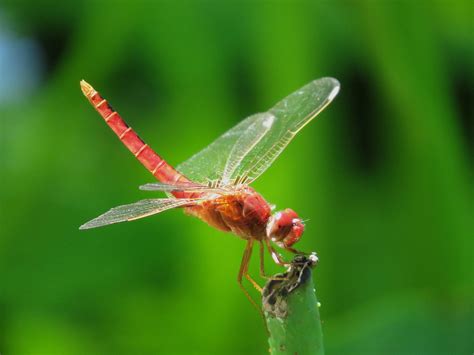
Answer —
291 310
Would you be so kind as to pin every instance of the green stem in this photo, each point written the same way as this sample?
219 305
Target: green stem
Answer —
291 310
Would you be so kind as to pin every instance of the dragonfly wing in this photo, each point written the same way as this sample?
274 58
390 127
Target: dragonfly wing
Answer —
184 187
246 142
209 164
244 152
291 115
136 210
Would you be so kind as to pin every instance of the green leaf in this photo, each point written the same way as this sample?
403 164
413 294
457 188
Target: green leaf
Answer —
291 310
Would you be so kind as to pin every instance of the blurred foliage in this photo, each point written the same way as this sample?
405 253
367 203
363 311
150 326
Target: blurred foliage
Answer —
385 175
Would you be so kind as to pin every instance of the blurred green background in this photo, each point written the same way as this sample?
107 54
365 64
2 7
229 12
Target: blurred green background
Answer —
385 175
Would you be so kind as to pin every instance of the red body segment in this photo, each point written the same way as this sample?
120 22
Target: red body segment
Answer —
244 213
160 169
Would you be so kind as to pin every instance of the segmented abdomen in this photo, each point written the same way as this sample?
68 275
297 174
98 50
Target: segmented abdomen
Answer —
152 161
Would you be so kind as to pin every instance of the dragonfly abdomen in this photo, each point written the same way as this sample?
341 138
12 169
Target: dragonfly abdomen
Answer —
144 153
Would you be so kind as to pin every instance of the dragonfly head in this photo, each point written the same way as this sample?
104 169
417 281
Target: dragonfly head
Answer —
285 228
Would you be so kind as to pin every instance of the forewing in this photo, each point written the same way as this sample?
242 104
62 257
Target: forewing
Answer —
136 210
184 187
291 115
246 142
242 153
209 164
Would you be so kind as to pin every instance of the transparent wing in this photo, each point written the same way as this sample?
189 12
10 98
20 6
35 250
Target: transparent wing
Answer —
243 153
209 164
246 142
136 210
292 114
185 187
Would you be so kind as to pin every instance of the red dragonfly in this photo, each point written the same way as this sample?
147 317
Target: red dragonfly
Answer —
213 184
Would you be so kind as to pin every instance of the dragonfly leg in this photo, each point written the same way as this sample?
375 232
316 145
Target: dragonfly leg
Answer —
262 262
254 283
243 271
247 276
262 266
276 257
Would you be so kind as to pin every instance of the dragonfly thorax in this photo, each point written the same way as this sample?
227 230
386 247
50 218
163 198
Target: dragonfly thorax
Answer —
285 228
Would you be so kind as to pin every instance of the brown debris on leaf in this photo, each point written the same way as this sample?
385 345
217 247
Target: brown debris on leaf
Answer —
276 290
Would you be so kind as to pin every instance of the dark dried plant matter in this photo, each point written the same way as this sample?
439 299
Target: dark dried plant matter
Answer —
291 310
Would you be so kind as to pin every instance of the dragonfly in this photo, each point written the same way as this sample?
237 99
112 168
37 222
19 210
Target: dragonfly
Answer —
214 184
